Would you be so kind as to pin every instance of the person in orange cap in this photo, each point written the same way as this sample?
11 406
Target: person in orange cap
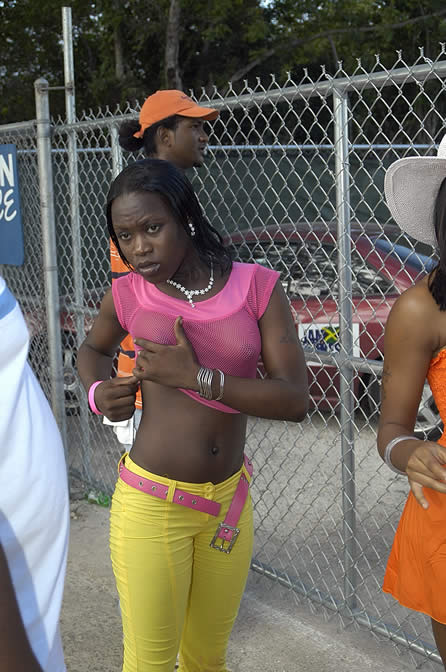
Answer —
171 128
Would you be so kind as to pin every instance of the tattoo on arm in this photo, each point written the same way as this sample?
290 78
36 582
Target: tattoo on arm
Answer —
289 336
385 379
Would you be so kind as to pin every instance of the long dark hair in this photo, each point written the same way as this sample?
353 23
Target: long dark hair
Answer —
437 277
128 141
162 177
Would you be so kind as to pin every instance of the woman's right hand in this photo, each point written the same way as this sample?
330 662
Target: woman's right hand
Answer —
115 398
426 467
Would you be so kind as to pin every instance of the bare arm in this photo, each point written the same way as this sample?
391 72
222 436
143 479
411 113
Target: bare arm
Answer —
114 397
16 654
282 396
410 340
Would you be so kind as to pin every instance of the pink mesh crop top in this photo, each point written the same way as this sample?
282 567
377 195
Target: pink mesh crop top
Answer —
223 329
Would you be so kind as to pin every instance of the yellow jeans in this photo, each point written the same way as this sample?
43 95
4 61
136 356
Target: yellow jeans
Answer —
175 591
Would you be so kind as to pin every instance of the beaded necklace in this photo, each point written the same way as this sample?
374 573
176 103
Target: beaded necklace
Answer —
189 293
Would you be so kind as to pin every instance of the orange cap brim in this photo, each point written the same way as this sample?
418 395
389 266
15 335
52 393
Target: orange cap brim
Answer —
147 117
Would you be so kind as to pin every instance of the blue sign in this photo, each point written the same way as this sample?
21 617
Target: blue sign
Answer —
11 232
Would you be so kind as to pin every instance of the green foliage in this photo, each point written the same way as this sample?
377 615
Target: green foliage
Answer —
220 40
31 35
328 31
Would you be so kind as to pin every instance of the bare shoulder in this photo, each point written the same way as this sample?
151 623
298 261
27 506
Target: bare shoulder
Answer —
416 319
416 303
106 332
277 324
107 308
107 311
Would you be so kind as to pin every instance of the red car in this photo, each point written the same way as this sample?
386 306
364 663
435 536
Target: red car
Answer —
306 255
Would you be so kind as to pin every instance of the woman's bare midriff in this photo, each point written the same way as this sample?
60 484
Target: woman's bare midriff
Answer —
185 440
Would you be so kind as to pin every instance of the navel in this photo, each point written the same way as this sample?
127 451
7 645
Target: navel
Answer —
215 450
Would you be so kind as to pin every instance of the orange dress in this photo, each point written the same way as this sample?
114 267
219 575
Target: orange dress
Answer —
416 569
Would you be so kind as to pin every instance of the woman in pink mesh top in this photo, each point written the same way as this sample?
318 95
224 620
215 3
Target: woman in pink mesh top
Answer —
181 518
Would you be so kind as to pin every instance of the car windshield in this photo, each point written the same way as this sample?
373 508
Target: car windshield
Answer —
310 268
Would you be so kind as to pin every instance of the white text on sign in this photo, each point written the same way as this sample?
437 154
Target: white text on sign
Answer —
7 206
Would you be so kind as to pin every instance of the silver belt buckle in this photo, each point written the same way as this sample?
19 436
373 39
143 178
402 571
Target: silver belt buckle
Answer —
221 547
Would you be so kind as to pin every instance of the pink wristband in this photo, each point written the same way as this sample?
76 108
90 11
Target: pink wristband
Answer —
91 403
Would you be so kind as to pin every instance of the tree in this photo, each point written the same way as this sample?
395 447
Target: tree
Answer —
329 31
31 34
125 50
172 66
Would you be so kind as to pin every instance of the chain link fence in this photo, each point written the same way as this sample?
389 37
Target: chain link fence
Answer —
293 180
27 281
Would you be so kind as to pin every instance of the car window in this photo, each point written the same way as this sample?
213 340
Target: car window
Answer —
420 261
310 268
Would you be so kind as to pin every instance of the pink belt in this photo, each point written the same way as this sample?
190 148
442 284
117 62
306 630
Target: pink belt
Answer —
227 530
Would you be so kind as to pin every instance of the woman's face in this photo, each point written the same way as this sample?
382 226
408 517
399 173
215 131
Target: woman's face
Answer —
149 235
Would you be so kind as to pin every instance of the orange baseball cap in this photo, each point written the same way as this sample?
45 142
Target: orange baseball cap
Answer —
164 104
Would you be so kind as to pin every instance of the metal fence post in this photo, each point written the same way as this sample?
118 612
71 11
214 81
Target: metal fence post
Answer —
50 253
76 239
340 105
115 151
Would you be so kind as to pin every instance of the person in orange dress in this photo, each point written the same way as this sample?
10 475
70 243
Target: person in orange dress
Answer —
415 348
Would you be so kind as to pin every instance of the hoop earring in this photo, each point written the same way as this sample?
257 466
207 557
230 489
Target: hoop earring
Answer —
191 227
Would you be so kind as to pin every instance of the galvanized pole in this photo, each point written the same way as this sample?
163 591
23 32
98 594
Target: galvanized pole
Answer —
115 151
340 104
76 240
50 253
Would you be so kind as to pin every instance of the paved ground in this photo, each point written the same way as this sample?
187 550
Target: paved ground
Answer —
302 519
272 634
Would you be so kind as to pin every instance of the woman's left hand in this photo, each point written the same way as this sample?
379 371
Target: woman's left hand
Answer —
171 365
425 468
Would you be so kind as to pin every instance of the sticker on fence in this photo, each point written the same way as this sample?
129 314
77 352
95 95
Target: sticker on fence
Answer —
11 232
325 338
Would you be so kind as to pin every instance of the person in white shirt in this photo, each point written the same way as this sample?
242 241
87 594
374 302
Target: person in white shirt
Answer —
34 508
